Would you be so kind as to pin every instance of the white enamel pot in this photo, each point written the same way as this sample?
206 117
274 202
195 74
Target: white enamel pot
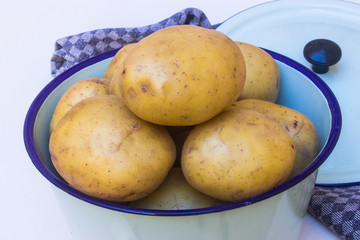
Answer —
276 214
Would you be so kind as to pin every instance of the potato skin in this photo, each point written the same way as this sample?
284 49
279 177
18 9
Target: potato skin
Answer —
102 149
114 66
182 75
116 61
237 155
262 74
175 193
299 127
81 90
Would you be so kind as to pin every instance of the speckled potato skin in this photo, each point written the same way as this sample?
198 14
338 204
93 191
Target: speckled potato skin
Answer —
237 155
102 149
114 65
182 75
81 90
116 61
262 74
175 193
299 127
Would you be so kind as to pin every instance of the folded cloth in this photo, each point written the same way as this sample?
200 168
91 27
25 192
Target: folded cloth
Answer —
337 208
73 49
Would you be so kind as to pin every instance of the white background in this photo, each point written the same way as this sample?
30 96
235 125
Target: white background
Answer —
28 30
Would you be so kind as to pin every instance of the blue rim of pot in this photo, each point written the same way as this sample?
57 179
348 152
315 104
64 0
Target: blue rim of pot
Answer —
28 134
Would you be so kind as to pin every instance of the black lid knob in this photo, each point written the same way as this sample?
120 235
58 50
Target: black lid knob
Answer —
322 54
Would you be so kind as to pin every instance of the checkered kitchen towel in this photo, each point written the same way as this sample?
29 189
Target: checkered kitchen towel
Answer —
76 48
337 208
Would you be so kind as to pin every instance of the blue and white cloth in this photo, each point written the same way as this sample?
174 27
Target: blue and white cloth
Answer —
73 49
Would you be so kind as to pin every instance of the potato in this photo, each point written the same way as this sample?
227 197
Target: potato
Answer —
79 91
117 60
102 149
114 66
175 193
262 74
182 75
299 127
237 155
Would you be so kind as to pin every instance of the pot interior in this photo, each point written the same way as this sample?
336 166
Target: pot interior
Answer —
300 89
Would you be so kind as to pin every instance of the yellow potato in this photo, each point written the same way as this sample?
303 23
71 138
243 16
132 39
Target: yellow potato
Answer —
116 61
114 65
237 155
102 149
79 91
262 74
175 193
299 127
182 75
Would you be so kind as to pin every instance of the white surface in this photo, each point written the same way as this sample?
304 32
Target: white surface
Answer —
28 206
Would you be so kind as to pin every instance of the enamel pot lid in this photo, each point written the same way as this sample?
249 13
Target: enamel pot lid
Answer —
290 28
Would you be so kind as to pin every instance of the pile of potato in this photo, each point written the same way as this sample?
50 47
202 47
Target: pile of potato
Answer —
184 118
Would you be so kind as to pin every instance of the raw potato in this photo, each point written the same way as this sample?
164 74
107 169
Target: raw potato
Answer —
116 61
102 149
300 128
262 74
114 66
182 75
175 193
81 90
237 155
